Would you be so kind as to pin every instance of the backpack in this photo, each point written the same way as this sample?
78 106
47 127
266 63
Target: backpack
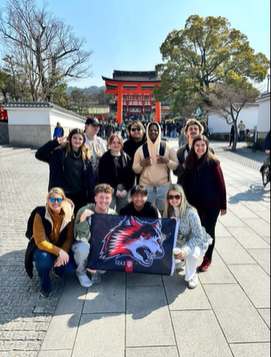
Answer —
162 149
30 221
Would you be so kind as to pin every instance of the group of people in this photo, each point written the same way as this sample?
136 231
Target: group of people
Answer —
125 178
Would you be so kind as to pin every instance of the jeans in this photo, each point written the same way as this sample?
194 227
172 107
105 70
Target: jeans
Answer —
81 251
44 262
156 195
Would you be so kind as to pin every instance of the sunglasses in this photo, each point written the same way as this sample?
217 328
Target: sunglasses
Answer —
135 129
54 199
177 197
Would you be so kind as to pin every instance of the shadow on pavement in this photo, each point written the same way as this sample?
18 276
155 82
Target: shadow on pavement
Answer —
20 296
256 192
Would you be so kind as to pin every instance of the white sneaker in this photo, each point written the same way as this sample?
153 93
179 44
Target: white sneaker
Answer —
193 283
84 280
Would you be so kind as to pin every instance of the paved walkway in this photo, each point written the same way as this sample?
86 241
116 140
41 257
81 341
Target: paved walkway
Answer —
135 315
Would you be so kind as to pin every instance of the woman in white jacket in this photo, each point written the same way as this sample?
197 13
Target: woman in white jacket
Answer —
192 237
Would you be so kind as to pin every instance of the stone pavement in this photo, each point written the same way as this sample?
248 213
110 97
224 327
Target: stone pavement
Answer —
136 315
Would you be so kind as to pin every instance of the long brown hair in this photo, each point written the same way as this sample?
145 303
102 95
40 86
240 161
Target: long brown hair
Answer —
192 160
85 152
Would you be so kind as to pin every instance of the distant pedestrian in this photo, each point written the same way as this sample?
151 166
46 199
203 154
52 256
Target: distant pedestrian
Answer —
247 135
206 131
58 131
232 134
109 129
183 140
242 128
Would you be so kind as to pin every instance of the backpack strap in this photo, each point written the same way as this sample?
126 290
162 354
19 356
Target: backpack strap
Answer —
145 150
162 148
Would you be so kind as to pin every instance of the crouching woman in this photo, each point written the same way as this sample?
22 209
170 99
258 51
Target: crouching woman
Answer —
192 237
52 239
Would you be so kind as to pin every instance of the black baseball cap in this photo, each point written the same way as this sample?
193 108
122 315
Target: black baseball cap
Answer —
92 121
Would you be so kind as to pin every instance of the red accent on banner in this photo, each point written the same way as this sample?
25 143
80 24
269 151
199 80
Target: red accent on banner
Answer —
129 266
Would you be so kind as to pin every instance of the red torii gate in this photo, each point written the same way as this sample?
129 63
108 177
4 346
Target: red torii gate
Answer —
121 87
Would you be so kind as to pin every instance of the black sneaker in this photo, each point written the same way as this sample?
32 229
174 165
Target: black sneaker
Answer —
45 293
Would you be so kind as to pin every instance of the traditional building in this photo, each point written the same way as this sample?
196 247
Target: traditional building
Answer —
134 93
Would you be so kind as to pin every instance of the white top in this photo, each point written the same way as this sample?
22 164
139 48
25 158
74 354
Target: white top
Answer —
97 148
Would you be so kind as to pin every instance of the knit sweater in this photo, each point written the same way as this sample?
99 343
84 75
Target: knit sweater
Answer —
191 233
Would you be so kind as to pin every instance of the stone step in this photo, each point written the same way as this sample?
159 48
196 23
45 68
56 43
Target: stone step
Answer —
6 150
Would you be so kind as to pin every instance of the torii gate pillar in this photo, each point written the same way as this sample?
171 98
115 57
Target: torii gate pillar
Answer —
120 104
158 112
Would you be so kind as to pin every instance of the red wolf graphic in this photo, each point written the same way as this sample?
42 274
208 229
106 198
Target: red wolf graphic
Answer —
143 241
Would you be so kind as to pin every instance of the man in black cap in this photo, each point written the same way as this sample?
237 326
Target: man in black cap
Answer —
95 143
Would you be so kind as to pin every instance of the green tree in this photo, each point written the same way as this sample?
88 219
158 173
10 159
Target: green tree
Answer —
206 51
80 101
229 98
14 84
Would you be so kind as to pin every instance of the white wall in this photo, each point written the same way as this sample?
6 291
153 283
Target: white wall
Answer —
263 124
249 116
32 124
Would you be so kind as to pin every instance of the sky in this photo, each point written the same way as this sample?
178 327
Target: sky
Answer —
127 34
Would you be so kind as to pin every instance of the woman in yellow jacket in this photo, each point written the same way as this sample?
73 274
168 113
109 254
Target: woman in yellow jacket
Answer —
52 239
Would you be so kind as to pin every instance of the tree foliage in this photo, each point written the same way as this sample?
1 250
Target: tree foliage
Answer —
43 47
206 51
228 99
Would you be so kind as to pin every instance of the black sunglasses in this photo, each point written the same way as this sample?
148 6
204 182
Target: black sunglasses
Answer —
177 197
135 129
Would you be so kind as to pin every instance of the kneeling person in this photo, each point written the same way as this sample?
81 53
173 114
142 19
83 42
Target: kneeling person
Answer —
139 206
102 197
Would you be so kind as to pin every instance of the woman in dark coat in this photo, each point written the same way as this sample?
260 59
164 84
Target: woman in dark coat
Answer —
205 189
115 169
70 167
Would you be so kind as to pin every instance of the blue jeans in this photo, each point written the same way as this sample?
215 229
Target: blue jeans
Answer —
44 262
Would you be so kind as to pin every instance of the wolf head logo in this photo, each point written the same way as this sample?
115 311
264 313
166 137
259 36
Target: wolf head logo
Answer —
132 237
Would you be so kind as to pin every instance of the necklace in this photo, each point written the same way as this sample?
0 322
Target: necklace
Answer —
78 155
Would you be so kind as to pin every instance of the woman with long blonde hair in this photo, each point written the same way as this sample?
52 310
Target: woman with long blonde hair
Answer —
192 237
52 238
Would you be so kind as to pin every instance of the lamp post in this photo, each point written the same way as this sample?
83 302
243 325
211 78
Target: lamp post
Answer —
268 77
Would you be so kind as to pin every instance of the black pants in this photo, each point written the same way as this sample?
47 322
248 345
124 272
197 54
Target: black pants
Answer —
78 198
208 218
